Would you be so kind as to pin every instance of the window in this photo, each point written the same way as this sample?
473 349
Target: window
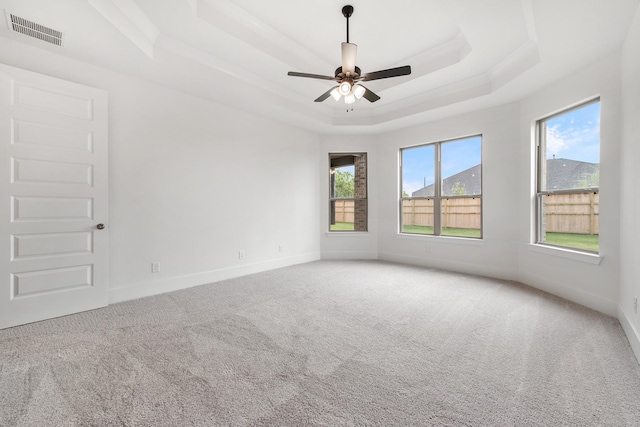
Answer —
348 192
441 185
568 178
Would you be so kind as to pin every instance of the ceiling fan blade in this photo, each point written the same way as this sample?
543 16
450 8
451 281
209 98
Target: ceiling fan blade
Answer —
349 51
324 95
310 76
385 74
370 96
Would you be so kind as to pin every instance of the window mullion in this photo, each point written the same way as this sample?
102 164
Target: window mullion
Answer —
437 218
401 204
540 155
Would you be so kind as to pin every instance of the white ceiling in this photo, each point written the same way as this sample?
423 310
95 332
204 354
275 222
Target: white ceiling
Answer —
464 54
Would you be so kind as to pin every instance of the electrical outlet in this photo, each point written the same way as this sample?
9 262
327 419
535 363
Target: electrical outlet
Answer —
155 267
428 249
280 248
240 254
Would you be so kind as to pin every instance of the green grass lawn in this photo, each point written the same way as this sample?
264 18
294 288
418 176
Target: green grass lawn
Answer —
341 226
578 241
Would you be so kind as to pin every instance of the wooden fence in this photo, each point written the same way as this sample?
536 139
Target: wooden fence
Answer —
456 213
572 213
344 210
565 213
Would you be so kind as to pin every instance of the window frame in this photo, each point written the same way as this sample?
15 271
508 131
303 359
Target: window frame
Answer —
437 190
355 198
540 154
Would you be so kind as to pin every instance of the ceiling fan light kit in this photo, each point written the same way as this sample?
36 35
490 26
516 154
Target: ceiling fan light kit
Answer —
349 76
358 91
344 88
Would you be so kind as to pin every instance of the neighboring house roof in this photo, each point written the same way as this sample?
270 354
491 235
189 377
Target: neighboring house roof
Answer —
469 180
567 174
561 174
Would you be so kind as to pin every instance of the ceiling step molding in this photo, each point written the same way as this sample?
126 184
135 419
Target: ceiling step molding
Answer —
232 19
131 21
439 57
522 59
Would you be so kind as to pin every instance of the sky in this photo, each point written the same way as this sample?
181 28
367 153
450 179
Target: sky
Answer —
418 163
574 135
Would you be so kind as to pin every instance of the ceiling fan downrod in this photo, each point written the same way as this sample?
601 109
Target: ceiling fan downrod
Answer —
347 11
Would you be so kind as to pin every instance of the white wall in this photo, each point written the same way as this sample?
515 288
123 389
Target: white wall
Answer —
193 182
630 179
576 278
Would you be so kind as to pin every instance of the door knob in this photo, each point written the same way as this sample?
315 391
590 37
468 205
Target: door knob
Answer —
100 226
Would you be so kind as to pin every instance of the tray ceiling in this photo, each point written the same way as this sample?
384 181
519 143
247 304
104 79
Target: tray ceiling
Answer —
464 54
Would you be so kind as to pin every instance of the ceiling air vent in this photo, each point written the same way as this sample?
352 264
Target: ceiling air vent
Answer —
37 31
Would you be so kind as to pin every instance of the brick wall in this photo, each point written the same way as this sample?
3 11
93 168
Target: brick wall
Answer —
360 190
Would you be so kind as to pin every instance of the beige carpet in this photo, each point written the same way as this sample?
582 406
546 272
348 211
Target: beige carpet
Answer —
326 343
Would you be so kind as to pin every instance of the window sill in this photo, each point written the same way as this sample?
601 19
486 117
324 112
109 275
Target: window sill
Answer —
346 233
575 255
443 239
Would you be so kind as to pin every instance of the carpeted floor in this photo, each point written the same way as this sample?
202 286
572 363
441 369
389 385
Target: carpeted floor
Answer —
326 343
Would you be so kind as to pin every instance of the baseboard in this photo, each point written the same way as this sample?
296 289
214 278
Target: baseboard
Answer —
460 267
341 255
147 289
632 333
572 294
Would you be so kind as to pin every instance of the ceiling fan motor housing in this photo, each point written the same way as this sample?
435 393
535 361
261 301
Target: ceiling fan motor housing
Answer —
340 74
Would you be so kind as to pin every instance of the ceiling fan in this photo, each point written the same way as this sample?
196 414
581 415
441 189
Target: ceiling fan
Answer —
348 76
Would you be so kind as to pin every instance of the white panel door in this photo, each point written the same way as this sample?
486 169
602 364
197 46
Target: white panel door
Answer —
53 197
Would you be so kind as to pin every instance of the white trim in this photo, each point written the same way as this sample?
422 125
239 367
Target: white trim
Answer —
147 289
342 255
429 260
569 293
632 333
567 253
347 233
442 239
